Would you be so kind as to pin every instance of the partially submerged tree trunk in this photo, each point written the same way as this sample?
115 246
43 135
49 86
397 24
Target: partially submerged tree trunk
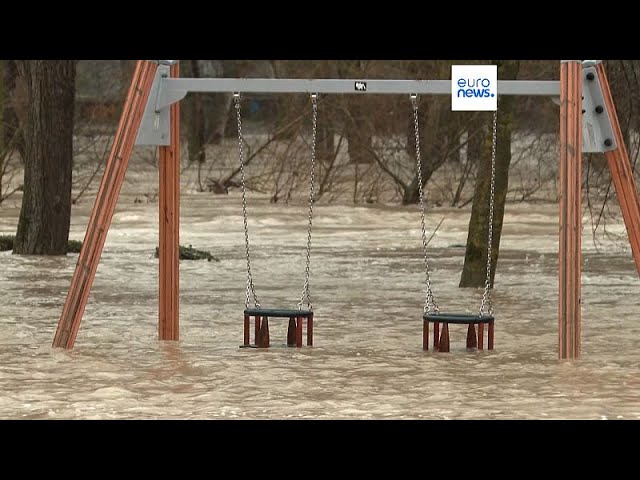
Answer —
475 260
43 227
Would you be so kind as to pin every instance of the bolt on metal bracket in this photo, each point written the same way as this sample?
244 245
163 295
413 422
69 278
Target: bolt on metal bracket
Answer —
597 130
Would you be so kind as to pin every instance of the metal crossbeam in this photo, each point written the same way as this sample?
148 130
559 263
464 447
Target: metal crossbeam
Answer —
166 91
174 90
180 86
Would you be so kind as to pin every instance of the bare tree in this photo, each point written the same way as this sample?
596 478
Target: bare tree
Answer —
624 80
475 259
9 134
43 227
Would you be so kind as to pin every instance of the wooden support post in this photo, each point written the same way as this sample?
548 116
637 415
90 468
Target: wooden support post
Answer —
436 336
105 205
622 173
570 208
480 336
169 244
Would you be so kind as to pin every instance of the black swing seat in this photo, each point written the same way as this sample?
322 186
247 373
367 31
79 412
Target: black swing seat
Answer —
294 331
460 318
278 312
441 339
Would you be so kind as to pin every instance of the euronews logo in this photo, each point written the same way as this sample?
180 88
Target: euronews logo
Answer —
471 88
474 87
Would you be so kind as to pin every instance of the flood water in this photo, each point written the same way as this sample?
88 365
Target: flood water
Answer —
367 287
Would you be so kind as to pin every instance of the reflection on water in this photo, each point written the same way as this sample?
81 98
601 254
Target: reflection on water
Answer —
367 289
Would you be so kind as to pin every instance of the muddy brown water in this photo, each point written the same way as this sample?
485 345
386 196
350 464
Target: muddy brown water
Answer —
367 287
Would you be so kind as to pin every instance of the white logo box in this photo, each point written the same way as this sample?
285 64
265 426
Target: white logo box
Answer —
474 88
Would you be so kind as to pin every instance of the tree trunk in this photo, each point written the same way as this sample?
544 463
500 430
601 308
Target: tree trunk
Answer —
358 132
475 260
430 158
43 227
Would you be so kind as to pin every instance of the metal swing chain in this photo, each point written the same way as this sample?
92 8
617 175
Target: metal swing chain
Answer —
250 288
486 296
430 304
305 289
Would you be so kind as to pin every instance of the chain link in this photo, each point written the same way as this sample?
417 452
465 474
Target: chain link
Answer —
250 287
430 304
486 306
305 290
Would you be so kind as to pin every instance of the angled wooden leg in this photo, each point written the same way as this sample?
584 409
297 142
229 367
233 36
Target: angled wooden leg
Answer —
622 173
481 336
105 204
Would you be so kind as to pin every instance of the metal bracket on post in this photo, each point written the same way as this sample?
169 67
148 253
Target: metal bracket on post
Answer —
597 130
155 126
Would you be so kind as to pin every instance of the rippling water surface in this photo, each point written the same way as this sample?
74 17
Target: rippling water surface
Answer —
367 288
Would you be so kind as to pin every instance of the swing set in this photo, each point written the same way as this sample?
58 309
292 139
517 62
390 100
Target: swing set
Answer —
261 315
588 122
